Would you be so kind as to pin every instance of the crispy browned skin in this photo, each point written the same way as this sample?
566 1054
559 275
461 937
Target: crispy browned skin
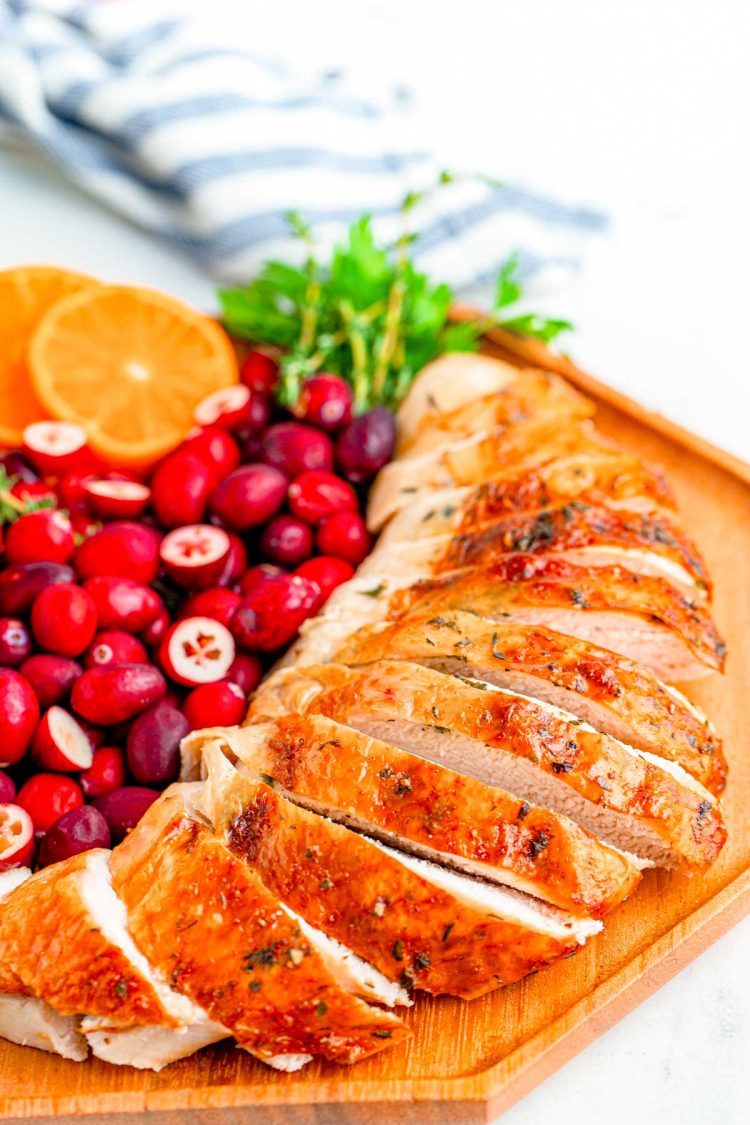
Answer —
403 795
461 642
522 448
528 580
211 926
47 938
410 929
595 766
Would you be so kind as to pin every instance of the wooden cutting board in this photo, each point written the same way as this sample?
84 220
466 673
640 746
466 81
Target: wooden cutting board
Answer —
469 1062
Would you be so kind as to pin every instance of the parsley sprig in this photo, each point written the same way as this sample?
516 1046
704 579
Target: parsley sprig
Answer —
368 315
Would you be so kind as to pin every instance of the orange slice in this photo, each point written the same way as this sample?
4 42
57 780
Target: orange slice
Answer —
26 293
129 365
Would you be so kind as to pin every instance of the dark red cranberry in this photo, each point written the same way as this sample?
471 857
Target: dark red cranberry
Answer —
236 561
246 671
367 444
317 494
19 716
63 620
51 677
76 831
286 540
122 549
252 448
42 536
260 372
271 615
249 496
294 448
7 788
216 448
221 704
19 585
15 642
328 572
123 808
153 746
326 401
345 536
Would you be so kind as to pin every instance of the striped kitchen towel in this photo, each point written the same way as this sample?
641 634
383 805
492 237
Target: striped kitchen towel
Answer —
210 147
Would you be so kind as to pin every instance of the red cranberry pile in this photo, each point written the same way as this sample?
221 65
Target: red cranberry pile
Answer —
134 609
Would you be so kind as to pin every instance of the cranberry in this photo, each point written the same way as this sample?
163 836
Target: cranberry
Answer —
76 831
293 448
60 743
257 417
260 372
235 563
16 465
42 536
197 650
195 556
271 614
154 633
246 671
215 705
233 408
252 448
7 788
113 693
33 492
317 494
116 499
15 642
19 585
180 488
249 496
63 620
123 604
286 540
19 715
54 447
216 448
123 808
217 603
153 746
115 647
326 401
328 572
257 575
71 488
367 444
345 536
16 837
51 677
106 772
123 549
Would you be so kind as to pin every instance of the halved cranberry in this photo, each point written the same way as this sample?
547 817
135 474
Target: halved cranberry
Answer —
113 646
53 447
76 831
122 549
46 796
367 444
325 400
42 536
249 496
19 585
286 540
246 671
116 499
229 408
16 837
113 693
195 556
217 603
7 788
293 448
60 743
15 642
153 746
50 676
260 372
317 494
63 620
215 705
345 536
106 772
19 715
123 808
180 489
197 650
328 572
123 604
216 448
270 616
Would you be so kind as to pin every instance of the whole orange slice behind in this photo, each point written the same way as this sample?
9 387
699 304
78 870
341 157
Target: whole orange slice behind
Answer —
26 294
129 365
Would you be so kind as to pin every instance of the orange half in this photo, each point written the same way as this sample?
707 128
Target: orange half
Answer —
129 365
26 294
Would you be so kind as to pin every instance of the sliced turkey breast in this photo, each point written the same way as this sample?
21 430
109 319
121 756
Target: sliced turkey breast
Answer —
632 799
615 480
614 694
434 812
418 923
205 920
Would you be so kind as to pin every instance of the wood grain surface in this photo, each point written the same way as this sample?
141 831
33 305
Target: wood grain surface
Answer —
468 1062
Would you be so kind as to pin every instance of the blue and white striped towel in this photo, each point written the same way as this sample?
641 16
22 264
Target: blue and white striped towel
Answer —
210 147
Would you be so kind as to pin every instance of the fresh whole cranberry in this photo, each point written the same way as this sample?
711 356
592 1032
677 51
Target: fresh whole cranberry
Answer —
113 693
154 634
19 585
113 646
257 416
153 746
7 788
257 575
15 642
345 536
246 671
46 796
123 604
251 447
367 444
180 489
317 494
51 677
106 772
328 572
42 536
270 616
197 650
326 401
63 620
235 563
124 807
286 540
293 448
249 496
217 603
16 837
76 831
122 549
216 448
260 372
215 705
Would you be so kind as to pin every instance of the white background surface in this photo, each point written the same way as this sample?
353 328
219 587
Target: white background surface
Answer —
641 109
